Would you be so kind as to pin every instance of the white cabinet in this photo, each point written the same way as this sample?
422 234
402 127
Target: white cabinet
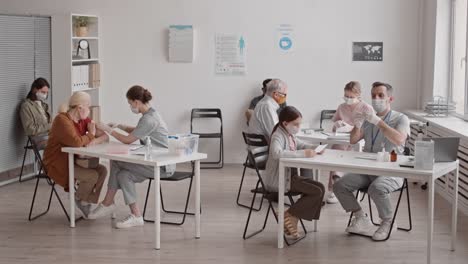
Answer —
75 67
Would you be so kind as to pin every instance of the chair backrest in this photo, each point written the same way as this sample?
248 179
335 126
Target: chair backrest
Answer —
257 149
205 113
326 114
38 143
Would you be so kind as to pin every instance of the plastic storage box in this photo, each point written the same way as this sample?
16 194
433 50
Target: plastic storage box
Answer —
183 144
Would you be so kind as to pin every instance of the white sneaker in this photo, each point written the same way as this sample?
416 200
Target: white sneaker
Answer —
101 211
383 230
130 221
84 209
332 198
360 225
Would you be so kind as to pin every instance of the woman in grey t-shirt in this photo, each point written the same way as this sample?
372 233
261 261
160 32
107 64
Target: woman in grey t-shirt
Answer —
124 175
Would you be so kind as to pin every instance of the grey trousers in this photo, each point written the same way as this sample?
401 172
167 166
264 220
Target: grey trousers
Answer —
379 189
124 175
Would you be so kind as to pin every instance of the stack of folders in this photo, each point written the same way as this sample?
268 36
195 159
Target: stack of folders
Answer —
86 76
94 75
95 113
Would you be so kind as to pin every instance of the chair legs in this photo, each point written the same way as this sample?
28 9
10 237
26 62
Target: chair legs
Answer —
270 208
184 213
52 191
26 148
410 222
220 161
240 189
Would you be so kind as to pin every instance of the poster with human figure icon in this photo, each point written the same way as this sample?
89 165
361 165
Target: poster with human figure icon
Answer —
367 51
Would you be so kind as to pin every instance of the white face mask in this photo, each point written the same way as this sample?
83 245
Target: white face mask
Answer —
350 101
41 96
379 105
134 110
292 129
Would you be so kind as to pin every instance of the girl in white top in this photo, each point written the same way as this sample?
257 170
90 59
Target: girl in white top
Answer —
284 144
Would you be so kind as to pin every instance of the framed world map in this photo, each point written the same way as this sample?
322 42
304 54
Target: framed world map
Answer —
367 51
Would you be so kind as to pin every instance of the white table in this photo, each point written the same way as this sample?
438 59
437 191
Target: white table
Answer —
347 161
160 157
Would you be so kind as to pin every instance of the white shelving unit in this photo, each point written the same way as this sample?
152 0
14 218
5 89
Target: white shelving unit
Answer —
65 60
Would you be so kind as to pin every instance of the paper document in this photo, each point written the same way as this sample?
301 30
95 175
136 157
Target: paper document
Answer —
338 136
367 157
320 148
136 147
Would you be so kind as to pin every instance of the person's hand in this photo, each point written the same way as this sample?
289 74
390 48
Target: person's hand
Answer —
339 123
372 118
92 128
309 153
92 143
104 127
345 129
113 125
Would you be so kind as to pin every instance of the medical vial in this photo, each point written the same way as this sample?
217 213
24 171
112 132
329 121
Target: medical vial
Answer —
393 156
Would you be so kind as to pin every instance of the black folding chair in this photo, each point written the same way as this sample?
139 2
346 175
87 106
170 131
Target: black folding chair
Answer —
254 158
326 115
27 147
401 190
39 143
257 142
177 176
210 113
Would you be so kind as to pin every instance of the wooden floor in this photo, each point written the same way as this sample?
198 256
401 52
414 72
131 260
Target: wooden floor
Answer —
50 240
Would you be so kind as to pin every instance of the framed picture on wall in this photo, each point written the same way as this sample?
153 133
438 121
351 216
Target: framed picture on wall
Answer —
367 51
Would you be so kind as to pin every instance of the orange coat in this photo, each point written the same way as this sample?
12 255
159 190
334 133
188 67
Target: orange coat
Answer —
62 134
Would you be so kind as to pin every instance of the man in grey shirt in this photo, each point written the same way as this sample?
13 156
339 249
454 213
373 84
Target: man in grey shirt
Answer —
257 99
384 128
265 115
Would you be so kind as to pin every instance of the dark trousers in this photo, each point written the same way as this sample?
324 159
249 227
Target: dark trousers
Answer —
308 207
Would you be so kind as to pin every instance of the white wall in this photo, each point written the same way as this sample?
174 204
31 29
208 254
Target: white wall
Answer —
134 50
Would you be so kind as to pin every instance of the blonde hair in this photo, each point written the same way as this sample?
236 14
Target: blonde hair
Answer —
354 87
77 98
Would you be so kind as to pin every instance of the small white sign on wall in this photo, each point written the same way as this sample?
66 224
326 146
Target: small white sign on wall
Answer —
285 40
230 54
181 43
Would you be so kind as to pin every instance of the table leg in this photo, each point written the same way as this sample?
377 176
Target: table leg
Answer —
317 178
430 219
455 207
71 187
197 199
281 204
157 205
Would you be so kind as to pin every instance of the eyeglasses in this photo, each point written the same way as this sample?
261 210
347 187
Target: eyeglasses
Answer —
282 94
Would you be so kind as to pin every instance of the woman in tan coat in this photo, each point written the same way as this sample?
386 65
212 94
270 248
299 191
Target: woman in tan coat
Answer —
73 128
34 111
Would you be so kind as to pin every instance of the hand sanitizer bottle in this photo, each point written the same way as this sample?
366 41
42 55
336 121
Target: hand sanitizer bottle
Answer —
149 148
381 154
386 155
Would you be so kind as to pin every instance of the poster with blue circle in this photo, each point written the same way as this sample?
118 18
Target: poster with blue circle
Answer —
285 39
285 43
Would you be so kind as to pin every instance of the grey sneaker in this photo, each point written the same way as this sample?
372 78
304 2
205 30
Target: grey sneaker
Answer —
84 209
130 221
332 199
360 225
101 211
383 230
